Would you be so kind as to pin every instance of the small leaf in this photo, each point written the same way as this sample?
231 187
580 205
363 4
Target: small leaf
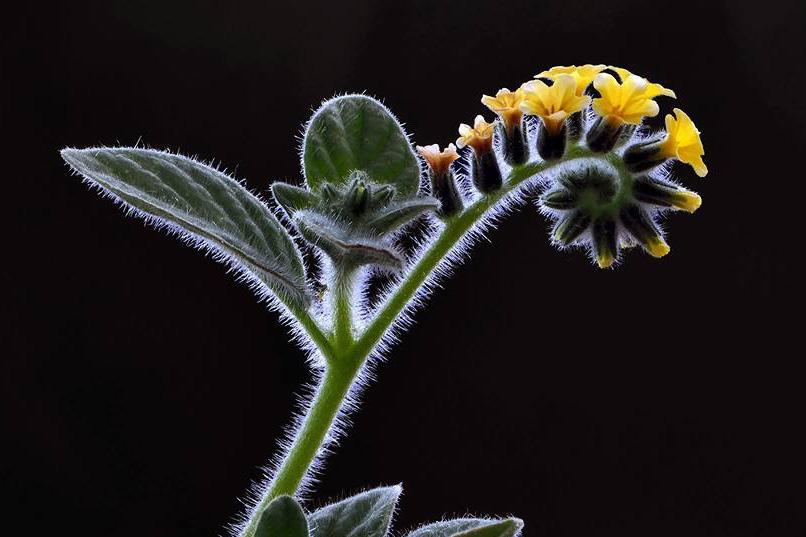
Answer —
282 518
356 132
207 207
504 528
470 527
293 198
368 514
396 215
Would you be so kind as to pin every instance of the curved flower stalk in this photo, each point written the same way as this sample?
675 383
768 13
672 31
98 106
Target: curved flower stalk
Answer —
601 180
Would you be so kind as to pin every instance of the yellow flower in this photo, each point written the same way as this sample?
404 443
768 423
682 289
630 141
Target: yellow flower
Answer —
623 103
683 142
479 136
583 74
553 103
652 90
507 104
438 161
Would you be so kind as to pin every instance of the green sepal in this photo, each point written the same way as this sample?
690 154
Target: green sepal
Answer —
282 518
356 132
209 207
368 514
470 527
293 198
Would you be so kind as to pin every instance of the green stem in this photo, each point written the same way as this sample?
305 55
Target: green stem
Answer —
345 356
319 419
343 337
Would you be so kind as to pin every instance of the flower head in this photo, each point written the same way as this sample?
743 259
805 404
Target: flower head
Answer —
507 104
479 136
583 74
553 103
628 102
652 89
683 142
438 161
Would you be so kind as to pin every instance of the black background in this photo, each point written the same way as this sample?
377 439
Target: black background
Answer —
142 388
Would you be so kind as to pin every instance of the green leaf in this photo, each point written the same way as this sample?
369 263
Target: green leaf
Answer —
356 132
400 213
368 514
293 198
282 518
344 247
205 206
470 527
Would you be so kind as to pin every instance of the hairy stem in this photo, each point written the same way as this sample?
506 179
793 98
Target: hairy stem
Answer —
319 419
346 355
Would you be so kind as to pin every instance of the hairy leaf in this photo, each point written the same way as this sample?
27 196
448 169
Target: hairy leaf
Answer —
208 207
470 527
293 198
356 132
343 246
282 518
368 514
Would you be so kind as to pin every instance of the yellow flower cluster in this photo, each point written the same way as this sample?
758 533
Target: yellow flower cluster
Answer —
624 101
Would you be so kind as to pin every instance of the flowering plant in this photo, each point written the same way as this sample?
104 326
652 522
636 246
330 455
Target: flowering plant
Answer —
572 139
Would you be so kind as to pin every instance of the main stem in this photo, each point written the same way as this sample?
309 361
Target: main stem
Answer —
345 355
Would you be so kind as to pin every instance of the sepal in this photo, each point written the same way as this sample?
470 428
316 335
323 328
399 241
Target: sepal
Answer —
293 198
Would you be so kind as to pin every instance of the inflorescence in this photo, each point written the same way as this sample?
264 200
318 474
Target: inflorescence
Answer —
619 184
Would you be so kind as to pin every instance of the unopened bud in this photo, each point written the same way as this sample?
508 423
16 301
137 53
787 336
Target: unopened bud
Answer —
571 226
644 231
653 192
561 200
605 243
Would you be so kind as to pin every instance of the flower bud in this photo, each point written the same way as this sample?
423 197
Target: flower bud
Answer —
570 227
605 242
560 200
653 192
643 230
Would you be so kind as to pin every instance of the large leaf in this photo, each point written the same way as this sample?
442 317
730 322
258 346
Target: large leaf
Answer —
470 527
282 518
356 132
206 206
368 514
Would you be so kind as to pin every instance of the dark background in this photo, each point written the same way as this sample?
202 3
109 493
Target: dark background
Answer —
142 388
